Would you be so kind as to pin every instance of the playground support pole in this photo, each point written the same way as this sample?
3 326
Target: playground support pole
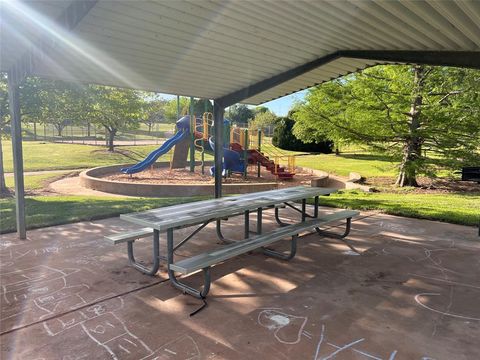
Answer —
205 110
178 107
16 129
218 114
259 137
245 154
192 136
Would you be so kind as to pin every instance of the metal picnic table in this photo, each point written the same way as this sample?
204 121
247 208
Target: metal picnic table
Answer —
201 213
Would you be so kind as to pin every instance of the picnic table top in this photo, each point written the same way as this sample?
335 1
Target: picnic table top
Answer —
200 211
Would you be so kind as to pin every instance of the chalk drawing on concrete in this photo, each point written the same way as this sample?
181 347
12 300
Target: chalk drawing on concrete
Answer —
287 328
108 331
418 299
41 291
409 230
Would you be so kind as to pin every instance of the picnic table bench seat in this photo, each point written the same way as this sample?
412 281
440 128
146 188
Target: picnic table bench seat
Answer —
129 236
215 256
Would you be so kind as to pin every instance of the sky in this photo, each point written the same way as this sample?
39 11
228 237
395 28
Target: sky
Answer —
281 106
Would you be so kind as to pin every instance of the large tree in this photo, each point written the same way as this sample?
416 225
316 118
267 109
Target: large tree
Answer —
422 115
115 109
53 102
263 119
171 109
240 114
154 113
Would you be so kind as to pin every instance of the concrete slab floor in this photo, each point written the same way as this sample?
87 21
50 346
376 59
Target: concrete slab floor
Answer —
411 292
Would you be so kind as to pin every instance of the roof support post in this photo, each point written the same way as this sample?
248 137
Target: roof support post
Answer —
218 116
16 131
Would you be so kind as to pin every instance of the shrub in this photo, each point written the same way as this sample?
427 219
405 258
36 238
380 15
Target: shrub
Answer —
284 139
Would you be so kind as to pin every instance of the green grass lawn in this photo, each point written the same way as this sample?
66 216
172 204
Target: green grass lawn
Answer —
44 211
53 156
35 182
367 165
453 208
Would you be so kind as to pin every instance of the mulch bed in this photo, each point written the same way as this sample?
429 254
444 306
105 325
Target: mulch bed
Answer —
184 176
426 185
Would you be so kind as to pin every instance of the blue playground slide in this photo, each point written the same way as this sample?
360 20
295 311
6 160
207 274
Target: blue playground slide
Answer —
231 160
154 155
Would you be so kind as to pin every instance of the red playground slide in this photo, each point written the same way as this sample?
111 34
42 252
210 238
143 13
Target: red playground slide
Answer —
255 156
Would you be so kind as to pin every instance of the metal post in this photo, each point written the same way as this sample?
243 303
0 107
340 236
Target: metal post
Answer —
218 114
304 209
193 124
16 130
245 154
247 224
259 221
178 107
259 135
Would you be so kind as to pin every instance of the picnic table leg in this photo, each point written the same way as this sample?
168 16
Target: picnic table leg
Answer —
220 236
282 256
333 235
156 256
247 224
304 209
200 294
277 218
340 237
259 220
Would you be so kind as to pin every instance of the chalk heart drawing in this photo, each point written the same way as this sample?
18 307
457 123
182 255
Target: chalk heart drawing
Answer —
286 328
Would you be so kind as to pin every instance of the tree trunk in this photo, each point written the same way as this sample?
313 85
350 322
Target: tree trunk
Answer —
111 137
34 131
412 149
88 130
59 130
149 128
3 185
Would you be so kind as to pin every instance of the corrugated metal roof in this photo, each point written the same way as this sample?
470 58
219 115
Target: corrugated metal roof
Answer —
211 48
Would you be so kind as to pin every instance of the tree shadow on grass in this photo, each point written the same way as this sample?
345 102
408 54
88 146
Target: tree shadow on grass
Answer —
377 157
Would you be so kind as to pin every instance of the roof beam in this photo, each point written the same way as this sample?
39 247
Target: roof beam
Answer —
269 83
465 59
68 20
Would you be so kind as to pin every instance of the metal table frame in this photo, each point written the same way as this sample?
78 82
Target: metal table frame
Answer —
160 220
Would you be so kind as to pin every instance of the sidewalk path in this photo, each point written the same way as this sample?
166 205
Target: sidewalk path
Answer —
40 172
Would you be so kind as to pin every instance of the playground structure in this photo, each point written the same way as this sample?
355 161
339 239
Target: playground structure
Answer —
242 148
